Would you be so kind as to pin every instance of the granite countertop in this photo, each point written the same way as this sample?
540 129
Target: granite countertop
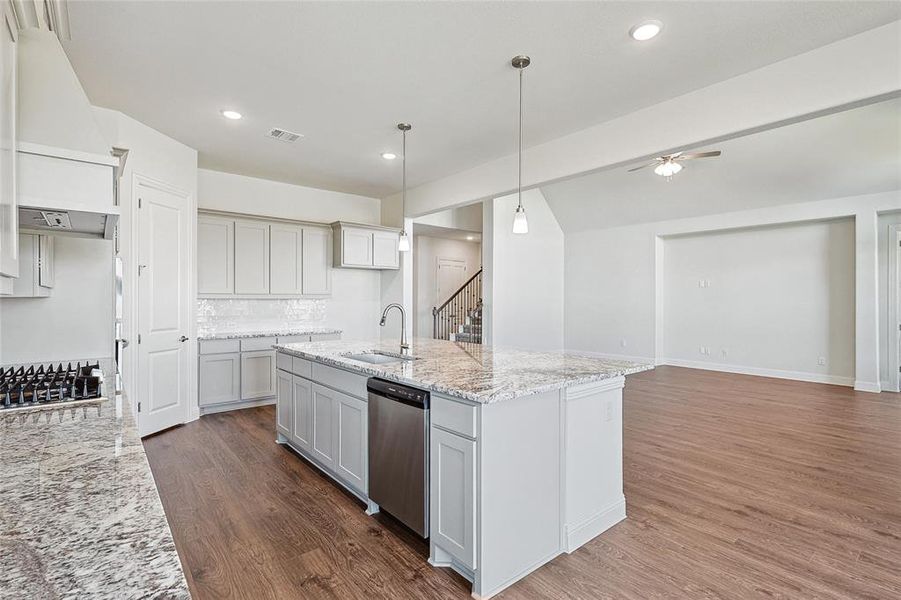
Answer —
80 513
234 335
474 372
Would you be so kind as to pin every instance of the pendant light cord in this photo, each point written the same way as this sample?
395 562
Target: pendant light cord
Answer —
519 187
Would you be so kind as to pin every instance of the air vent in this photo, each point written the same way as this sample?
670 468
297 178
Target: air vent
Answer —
283 135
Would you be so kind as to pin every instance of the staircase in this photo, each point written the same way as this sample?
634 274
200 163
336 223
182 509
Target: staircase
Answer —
460 318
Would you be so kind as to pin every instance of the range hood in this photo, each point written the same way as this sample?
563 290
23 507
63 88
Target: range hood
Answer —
65 172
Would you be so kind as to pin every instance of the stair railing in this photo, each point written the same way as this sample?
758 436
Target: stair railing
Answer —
447 318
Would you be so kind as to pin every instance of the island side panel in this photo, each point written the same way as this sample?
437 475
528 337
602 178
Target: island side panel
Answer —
594 460
520 477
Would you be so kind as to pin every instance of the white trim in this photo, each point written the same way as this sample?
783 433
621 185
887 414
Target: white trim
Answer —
761 372
228 406
67 154
595 525
867 386
893 361
660 299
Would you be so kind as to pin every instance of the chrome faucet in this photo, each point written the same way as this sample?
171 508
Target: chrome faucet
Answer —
404 346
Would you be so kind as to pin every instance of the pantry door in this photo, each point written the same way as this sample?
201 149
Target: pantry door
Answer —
163 271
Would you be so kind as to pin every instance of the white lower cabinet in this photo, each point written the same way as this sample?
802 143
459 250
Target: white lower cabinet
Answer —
284 406
257 374
302 415
351 443
323 446
452 500
220 378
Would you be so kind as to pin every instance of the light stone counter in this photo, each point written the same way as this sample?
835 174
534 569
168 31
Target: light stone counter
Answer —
470 371
80 513
234 335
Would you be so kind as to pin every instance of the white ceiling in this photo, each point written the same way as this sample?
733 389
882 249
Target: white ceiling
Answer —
345 73
461 235
845 154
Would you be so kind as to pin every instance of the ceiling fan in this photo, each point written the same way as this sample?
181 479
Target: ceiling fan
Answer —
669 164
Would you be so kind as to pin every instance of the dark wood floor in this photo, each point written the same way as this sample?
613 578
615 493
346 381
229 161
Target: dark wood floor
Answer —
736 487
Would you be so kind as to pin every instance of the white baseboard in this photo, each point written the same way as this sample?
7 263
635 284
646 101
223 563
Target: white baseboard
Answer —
867 386
217 408
886 386
776 373
581 533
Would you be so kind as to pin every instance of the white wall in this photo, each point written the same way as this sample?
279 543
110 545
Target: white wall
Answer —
773 299
524 286
355 300
614 278
76 321
468 218
426 252
251 195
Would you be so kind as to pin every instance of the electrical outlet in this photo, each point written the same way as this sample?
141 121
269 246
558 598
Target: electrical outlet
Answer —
701 350
821 361
724 352
622 343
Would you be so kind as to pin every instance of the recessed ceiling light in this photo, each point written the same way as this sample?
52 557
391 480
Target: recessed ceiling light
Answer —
646 30
231 114
389 155
470 237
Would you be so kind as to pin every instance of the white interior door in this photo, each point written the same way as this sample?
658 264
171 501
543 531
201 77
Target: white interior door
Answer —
450 276
163 288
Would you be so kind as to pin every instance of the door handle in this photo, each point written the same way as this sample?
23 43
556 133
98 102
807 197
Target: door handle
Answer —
183 338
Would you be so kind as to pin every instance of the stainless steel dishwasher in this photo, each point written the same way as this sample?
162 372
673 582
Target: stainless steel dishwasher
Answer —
399 452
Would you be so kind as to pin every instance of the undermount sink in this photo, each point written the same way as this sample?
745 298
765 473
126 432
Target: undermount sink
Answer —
378 358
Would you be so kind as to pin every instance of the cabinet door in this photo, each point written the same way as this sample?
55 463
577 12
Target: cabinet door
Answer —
26 285
284 407
251 257
215 255
317 276
303 413
285 259
46 273
9 216
323 446
351 446
356 247
452 495
384 249
220 378
257 374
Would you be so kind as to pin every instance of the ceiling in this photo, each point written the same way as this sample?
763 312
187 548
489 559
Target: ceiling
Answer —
446 233
844 154
345 73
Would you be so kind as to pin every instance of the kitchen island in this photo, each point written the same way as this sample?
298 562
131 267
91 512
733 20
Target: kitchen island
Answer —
525 448
80 513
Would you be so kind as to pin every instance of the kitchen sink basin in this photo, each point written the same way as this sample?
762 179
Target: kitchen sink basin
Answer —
378 358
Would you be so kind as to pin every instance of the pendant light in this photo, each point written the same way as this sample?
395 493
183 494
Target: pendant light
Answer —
520 223
403 242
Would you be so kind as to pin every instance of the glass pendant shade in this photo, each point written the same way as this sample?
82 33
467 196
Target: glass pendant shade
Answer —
403 242
520 222
668 168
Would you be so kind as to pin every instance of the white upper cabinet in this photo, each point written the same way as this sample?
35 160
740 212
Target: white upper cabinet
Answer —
384 249
35 267
285 259
251 257
365 246
9 236
215 255
317 276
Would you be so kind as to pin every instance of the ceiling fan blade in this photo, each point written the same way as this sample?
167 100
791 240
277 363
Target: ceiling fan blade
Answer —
708 154
652 163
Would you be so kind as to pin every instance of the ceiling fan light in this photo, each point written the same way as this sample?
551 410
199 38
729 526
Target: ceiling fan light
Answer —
520 222
667 168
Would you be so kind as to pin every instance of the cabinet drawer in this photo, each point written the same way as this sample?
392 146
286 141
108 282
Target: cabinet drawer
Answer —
252 344
302 367
284 361
323 337
349 383
293 339
219 346
454 416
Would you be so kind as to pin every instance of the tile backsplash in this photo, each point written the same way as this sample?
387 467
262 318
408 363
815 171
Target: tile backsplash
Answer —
215 316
